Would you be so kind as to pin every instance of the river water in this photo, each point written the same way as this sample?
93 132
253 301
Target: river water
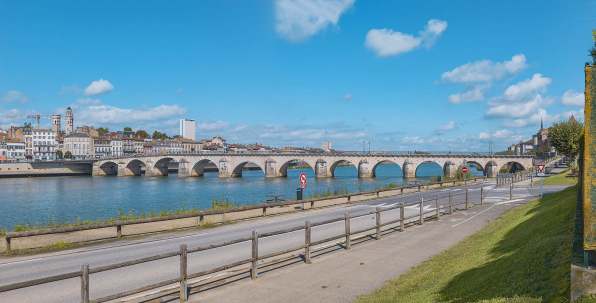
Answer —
97 198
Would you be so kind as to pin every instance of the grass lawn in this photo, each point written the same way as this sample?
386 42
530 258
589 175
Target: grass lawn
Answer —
523 256
558 179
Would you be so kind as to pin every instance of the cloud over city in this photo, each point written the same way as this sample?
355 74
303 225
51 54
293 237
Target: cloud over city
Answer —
386 42
98 88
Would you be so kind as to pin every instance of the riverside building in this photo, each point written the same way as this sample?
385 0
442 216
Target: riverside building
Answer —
79 145
187 128
44 144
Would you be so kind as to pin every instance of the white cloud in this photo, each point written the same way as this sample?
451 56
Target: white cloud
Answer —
443 128
88 101
527 88
485 70
412 140
347 97
99 87
573 98
298 20
180 90
14 95
519 110
102 114
484 135
386 42
541 115
476 94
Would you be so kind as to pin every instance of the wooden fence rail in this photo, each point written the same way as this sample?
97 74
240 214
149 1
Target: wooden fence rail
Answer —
183 252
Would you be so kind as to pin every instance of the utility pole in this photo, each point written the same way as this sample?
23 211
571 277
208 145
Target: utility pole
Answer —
363 148
369 147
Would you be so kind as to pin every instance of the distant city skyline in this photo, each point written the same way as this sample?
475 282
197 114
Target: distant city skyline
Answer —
403 76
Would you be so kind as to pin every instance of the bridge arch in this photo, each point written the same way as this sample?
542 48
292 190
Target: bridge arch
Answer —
511 167
108 168
197 169
434 168
283 170
237 171
384 162
334 165
133 168
159 168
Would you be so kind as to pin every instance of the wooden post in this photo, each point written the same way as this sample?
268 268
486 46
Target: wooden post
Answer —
377 194
183 271
418 188
450 203
264 211
378 223
438 209
307 242
312 204
85 283
511 192
255 254
482 196
467 199
347 218
118 231
401 213
402 190
7 243
349 199
421 211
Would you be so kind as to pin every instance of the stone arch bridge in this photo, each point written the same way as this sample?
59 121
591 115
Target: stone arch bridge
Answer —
276 165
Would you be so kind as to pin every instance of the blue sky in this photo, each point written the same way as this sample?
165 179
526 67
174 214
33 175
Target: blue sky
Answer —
425 75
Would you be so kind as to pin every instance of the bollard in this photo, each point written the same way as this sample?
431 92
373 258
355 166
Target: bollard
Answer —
378 223
307 241
467 200
511 192
401 213
450 203
7 243
255 254
438 209
421 211
118 231
347 216
85 283
183 267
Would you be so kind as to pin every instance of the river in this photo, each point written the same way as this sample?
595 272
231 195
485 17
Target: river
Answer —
31 200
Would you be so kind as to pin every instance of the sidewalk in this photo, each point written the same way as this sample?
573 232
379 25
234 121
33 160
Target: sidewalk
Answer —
338 275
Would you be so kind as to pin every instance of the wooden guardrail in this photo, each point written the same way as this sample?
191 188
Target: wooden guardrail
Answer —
119 223
510 178
85 271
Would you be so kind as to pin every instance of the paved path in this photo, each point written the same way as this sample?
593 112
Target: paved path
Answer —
32 267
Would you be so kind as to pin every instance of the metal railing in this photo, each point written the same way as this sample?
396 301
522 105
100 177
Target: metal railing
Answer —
85 271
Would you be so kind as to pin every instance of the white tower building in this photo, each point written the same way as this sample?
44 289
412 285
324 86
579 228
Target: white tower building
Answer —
56 123
69 121
187 128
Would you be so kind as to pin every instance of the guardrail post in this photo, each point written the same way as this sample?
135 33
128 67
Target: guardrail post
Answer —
402 191
438 209
7 239
183 271
421 211
532 179
118 231
85 283
450 203
467 199
401 213
307 242
255 254
347 218
378 223
482 196
264 211
377 194
418 188
511 192
312 204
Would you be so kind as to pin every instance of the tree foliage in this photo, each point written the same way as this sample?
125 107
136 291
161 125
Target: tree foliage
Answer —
158 135
564 136
127 129
59 154
103 131
592 50
142 134
68 155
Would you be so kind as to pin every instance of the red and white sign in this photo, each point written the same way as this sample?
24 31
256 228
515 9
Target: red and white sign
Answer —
464 169
303 178
303 186
541 168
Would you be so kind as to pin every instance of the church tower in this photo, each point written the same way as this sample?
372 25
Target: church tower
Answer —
69 121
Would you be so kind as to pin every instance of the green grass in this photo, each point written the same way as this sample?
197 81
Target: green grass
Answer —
523 256
558 179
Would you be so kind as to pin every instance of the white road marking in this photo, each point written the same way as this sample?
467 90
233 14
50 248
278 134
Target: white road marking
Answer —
470 218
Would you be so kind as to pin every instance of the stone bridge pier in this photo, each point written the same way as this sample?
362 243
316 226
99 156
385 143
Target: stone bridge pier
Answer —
125 169
322 170
408 169
365 169
491 169
450 169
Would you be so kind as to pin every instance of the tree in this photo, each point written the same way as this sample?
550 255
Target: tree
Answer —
564 136
59 154
158 135
142 134
127 129
103 131
68 155
177 136
592 50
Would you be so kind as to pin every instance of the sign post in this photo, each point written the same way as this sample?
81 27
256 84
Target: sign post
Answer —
302 187
464 170
541 174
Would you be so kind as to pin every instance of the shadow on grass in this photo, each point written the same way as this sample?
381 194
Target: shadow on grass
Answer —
530 261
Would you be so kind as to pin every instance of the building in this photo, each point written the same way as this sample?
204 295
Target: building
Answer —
187 128
44 144
56 123
79 145
221 142
24 133
128 146
237 148
14 149
138 145
69 121
102 147
3 149
189 145
87 130
116 144
327 146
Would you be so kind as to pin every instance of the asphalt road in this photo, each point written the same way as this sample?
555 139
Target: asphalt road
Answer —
13 270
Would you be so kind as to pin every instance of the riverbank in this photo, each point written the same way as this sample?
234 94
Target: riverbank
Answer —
523 256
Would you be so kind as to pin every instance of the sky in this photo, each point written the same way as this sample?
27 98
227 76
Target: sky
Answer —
402 75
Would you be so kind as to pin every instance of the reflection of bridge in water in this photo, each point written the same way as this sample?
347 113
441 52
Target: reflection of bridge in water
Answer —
276 164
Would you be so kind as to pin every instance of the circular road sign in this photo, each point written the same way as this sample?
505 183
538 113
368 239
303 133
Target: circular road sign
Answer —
303 178
464 169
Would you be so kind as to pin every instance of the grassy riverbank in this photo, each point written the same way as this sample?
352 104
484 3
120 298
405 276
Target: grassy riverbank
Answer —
523 256
558 179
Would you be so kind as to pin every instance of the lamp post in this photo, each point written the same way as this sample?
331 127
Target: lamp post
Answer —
363 148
